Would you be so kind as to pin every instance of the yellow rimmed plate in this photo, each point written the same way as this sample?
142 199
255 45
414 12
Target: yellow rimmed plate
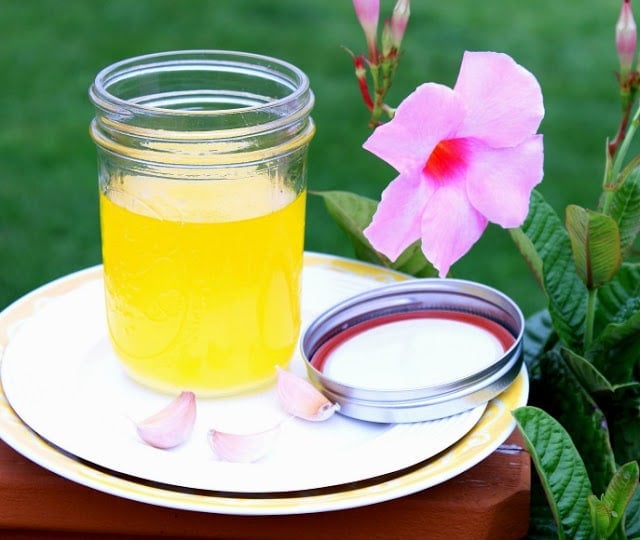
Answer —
337 478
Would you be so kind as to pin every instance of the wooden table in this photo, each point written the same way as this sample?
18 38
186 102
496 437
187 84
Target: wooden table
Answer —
489 501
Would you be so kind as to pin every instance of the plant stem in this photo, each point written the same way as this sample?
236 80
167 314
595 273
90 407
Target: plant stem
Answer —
624 147
624 122
590 318
611 182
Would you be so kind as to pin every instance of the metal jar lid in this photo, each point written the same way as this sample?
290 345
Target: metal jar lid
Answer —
462 302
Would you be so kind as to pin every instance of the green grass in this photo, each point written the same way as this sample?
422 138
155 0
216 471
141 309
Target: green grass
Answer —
51 51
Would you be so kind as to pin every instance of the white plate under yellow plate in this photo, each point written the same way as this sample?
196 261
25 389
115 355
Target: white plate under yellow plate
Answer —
64 383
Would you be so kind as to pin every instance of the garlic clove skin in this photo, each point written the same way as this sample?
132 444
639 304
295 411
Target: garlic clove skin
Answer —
300 398
171 426
242 448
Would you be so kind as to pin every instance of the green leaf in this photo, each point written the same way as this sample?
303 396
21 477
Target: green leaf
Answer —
569 402
615 333
591 378
595 242
548 244
614 351
619 492
624 208
412 261
561 471
529 253
618 299
587 374
600 516
353 214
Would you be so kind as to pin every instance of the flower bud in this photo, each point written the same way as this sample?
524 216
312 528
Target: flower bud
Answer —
399 20
626 36
368 12
386 41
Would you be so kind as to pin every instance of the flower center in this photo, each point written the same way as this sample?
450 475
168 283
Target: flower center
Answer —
446 160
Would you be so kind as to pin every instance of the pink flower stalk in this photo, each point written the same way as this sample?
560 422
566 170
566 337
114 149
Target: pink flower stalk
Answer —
626 36
399 20
368 13
361 75
465 156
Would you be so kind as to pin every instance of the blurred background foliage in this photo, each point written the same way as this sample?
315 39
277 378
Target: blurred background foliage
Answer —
51 51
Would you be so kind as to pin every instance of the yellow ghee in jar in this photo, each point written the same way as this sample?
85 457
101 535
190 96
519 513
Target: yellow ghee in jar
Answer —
202 280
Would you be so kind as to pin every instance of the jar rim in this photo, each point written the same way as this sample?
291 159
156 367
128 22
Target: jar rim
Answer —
288 75
204 121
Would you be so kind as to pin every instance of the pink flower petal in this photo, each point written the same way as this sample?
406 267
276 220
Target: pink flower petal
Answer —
499 181
450 226
428 115
503 99
396 223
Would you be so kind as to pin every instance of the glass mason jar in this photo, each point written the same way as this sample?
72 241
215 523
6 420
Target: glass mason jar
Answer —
202 178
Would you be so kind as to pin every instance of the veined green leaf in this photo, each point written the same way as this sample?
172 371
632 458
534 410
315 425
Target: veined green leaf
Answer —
561 471
569 402
619 492
353 214
595 242
549 245
624 208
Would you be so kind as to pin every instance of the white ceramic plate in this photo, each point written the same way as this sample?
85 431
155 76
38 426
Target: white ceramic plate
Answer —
59 374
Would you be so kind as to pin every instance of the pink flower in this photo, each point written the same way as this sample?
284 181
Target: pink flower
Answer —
466 156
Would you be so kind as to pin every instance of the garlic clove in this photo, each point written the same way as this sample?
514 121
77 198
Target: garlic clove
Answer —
172 425
242 448
300 398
